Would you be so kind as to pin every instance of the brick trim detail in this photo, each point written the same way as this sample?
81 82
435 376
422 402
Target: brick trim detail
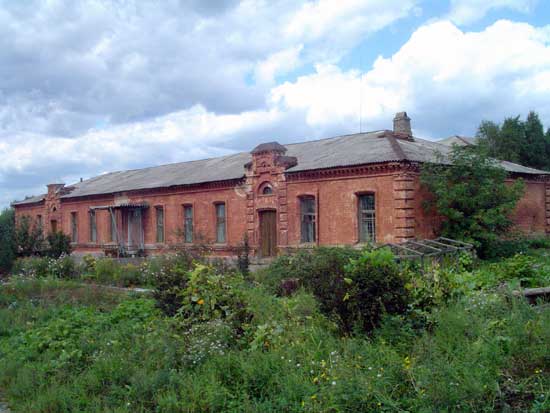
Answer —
404 200
547 206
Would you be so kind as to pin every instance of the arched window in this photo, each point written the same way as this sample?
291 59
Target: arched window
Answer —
266 189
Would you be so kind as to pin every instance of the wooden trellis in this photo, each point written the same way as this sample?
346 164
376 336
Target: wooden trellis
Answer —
428 248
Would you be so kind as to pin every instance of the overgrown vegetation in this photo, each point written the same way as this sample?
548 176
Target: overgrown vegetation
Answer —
328 330
472 196
7 247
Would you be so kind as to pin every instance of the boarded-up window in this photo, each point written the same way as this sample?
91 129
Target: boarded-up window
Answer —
74 227
308 219
93 226
160 223
220 223
188 223
367 218
39 222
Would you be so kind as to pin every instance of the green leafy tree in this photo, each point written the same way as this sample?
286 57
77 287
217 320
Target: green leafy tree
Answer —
472 195
7 244
511 140
517 141
28 237
58 244
533 152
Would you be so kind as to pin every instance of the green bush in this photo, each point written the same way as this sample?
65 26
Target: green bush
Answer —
31 267
376 288
7 244
58 244
169 275
210 295
107 270
353 287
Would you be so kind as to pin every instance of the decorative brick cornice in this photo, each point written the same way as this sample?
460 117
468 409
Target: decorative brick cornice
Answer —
353 171
190 188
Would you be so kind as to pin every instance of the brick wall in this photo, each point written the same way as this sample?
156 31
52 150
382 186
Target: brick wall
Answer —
398 200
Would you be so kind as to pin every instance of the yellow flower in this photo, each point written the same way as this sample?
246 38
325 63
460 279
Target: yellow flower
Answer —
200 302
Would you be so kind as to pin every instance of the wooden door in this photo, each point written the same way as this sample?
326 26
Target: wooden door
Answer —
268 233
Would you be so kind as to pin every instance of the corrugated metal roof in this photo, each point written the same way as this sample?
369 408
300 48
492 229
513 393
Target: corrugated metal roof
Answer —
347 150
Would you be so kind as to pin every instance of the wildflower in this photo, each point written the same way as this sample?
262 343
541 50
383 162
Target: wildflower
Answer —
200 302
378 375
313 397
333 383
538 371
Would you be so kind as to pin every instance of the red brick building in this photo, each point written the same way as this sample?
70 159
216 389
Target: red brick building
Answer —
339 191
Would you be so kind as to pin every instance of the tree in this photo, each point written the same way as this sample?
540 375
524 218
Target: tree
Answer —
472 195
28 237
517 141
58 244
511 140
533 152
7 245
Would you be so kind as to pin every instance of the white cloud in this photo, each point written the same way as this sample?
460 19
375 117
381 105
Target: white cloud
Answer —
469 11
447 79
124 98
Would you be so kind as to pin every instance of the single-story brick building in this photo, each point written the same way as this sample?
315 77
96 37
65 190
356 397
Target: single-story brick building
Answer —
338 191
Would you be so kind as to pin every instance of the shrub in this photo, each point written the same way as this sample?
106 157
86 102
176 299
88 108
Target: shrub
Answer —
210 295
7 245
28 238
377 288
130 275
315 269
106 270
62 267
58 244
169 276
31 267
352 286
243 257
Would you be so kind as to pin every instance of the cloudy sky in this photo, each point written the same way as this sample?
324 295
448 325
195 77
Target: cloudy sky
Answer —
92 86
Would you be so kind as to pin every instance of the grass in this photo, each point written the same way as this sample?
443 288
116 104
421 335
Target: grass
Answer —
68 348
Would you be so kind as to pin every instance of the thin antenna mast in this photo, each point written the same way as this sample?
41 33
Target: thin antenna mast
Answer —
361 89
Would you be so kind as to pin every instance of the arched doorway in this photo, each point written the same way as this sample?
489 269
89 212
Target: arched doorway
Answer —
268 233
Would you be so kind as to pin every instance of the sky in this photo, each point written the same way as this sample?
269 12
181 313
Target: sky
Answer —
93 86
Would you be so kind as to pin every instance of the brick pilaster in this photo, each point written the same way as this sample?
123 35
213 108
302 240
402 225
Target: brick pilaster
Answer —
404 201
547 205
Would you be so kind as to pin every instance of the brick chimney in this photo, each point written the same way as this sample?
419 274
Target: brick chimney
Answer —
54 188
402 123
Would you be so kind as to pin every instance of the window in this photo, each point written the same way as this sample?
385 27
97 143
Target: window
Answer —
267 190
308 213
112 226
39 222
74 227
160 223
188 223
367 218
53 226
220 223
93 226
